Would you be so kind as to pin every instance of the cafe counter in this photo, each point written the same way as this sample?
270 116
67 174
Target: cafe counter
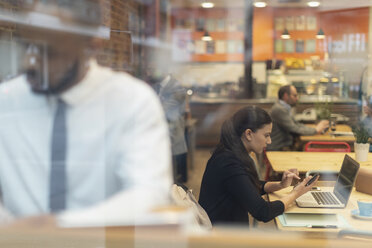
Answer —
211 112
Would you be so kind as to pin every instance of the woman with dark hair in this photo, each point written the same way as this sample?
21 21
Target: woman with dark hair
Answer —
230 187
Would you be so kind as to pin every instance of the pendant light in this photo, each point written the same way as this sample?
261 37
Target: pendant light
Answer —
320 34
206 36
285 35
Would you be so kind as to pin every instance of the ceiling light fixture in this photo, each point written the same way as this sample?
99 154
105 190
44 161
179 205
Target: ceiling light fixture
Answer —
207 5
206 36
285 35
260 4
320 34
313 4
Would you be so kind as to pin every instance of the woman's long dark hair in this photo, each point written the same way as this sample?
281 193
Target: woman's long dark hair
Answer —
250 117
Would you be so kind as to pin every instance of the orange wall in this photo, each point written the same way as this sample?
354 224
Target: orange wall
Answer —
263 40
336 24
333 23
347 41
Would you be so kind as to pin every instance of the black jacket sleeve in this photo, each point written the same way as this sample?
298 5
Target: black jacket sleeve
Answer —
248 196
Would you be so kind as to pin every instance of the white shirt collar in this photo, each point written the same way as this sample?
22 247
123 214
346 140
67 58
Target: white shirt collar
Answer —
85 87
286 105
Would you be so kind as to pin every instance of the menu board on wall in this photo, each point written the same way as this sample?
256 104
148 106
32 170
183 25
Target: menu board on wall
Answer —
311 23
220 25
231 46
289 46
300 46
232 25
239 46
310 46
210 25
200 47
278 46
210 47
289 23
200 24
220 46
300 22
279 23
182 45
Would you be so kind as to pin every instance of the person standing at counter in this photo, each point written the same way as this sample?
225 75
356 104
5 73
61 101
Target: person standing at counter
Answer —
173 99
230 187
285 127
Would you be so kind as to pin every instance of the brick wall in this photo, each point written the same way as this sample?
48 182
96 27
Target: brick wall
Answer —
117 52
8 29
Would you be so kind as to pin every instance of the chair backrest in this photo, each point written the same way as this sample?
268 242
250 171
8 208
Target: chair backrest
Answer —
182 196
327 146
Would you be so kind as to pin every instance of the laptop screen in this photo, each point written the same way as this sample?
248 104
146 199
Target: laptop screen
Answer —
346 178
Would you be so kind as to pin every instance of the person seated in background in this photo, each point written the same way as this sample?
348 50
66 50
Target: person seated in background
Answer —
285 127
367 120
230 187
78 140
173 99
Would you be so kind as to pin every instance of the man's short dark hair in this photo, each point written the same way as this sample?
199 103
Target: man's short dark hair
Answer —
284 89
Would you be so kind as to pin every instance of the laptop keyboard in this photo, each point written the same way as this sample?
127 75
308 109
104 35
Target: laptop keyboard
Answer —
324 198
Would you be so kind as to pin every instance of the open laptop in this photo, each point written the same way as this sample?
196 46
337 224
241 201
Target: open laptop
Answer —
341 192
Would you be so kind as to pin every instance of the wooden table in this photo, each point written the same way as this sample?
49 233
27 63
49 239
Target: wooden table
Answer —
305 161
328 137
362 225
43 232
158 237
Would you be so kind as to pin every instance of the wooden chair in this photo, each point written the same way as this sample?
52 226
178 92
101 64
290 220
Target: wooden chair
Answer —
327 146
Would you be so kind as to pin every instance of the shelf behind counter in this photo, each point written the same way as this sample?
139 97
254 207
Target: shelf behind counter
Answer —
210 113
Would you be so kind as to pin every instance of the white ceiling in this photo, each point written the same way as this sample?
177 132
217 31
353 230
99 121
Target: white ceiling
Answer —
326 5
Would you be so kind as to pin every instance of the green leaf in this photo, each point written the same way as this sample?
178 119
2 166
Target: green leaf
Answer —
360 133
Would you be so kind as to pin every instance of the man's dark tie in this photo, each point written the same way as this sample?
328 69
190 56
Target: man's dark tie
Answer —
57 193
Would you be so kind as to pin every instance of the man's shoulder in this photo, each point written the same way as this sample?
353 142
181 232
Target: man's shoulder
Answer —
277 107
119 78
14 86
18 81
119 82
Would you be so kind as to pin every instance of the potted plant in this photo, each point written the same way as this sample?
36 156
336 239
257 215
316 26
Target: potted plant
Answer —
361 144
323 110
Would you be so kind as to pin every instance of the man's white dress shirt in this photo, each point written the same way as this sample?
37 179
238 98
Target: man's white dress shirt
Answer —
118 151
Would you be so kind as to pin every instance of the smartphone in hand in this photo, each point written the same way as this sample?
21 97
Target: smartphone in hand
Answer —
315 176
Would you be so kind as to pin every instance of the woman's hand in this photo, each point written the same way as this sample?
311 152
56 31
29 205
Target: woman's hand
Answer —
288 176
297 191
301 188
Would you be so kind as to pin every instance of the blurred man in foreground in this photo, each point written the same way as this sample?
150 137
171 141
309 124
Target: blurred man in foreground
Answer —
78 139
